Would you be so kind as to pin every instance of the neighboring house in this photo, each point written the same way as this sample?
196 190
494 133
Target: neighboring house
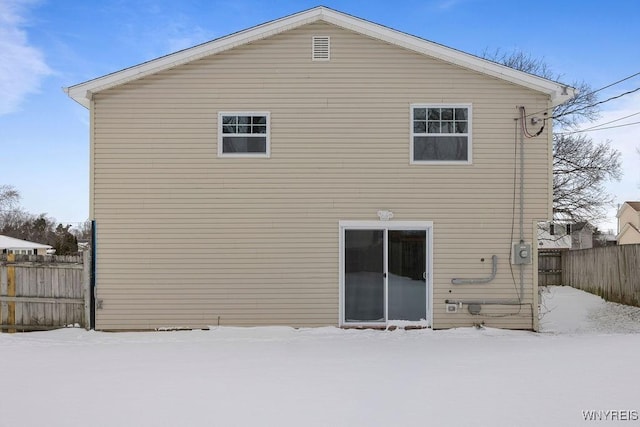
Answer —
582 235
316 170
553 235
607 238
10 245
629 223
560 235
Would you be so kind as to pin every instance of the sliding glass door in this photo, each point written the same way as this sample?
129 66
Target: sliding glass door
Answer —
407 274
384 273
364 275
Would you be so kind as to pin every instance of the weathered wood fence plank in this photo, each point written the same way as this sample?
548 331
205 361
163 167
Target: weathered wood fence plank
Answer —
549 267
43 292
11 291
86 289
4 306
44 300
612 272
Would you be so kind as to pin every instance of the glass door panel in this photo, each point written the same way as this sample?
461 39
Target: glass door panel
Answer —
407 291
364 280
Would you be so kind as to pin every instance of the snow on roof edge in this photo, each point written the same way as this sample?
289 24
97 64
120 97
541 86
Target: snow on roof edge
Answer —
7 242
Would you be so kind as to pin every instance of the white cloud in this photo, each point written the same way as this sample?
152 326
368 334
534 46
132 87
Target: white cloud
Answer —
182 34
184 41
447 4
22 67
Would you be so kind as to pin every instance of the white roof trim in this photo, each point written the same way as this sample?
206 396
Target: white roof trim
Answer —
7 242
83 92
624 206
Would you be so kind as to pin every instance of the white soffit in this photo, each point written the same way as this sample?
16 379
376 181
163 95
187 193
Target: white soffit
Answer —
559 93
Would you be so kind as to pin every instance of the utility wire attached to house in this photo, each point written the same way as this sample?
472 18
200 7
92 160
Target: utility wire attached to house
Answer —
593 92
523 124
599 128
609 122
595 103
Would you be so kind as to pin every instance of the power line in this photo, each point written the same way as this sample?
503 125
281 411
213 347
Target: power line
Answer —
606 123
590 93
615 83
593 130
616 120
596 103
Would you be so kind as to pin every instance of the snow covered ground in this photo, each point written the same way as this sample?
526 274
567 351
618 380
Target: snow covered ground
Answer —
586 359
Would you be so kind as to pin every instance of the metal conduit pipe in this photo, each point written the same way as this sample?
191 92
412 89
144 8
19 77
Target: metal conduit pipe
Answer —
485 302
494 270
522 129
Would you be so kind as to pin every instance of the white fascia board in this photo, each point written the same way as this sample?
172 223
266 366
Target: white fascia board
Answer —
559 93
82 92
623 207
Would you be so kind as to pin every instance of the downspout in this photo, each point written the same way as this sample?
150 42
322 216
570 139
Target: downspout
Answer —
92 213
92 285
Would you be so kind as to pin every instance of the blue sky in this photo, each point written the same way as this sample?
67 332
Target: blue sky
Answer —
47 45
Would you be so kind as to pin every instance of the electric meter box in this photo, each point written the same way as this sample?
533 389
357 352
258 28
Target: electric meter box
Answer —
521 253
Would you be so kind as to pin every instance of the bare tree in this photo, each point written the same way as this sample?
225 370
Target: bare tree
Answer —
84 234
580 167
571 113
9 197
18 223
39 228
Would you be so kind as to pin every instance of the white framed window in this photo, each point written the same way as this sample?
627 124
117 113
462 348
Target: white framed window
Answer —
441 133
244 134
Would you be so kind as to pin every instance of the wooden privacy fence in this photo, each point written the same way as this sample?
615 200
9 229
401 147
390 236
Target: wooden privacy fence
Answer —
44 292
612 272
550 267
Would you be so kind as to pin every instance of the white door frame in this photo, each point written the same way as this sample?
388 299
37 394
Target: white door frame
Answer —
387 225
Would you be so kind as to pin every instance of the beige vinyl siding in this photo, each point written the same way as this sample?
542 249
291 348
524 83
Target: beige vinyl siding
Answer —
629 215
628 234
188 239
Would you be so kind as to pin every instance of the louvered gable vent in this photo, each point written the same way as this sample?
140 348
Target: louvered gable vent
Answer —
320 47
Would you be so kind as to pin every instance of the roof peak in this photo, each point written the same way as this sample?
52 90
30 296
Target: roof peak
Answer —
634 205
83 92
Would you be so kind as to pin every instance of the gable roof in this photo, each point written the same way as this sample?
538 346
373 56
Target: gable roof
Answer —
633 205
83 92
628 228
7 242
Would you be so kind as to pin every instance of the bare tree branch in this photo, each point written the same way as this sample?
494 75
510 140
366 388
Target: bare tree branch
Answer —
9 197
580 167
16 222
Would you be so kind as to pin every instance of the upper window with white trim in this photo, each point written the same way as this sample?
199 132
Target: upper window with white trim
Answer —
243 134
440 133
